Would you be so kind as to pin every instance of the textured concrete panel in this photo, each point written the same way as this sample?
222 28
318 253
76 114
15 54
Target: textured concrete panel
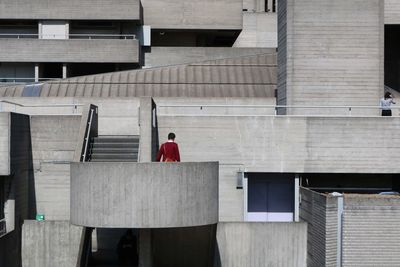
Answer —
50 243
260 29
392 12
332 56
70 51
54 139
5 143
70 10
371 235
193 14
144 195
289 144
262 244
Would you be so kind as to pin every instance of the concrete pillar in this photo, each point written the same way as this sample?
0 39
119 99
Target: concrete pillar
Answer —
37 72
64 71
145 248
148 130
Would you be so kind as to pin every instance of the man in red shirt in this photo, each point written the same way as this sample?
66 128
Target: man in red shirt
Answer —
169 151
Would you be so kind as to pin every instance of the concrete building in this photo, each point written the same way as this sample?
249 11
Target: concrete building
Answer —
284 154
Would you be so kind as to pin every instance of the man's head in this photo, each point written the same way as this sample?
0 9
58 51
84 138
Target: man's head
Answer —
171 136
388 95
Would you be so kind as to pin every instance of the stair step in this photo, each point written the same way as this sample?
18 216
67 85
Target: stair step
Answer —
113 160
116 139
114 156
115 145
113 150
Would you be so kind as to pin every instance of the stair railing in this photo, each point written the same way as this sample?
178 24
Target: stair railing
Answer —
87 136
88 130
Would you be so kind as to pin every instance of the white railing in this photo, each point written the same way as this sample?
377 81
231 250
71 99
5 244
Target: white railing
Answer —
3 227
74 106
66 36
270 110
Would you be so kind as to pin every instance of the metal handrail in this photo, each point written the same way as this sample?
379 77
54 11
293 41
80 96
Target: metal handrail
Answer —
75 106
89 36
87 137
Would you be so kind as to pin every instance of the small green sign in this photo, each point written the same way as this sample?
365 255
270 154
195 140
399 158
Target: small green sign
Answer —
39 217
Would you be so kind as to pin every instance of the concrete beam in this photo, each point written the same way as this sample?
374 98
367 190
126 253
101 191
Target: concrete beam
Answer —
70 51
71 10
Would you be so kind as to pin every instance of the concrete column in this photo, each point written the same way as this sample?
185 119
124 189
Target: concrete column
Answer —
40 30
296 216
64 71
67 30
37 72
148 130
145 250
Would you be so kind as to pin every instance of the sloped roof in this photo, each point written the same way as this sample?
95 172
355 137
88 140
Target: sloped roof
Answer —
248 76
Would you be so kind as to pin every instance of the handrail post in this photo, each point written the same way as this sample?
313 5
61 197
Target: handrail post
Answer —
276 110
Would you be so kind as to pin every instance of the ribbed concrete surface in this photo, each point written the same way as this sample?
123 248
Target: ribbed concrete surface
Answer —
248 76
70 10
144 195
371 234
261 244
320 213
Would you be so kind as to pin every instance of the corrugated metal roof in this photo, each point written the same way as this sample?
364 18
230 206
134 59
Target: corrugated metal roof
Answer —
249 76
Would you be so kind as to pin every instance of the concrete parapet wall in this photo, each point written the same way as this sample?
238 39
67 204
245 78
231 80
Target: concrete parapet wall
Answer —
261 244
70 51
193 14
50 243
290 144
144 195
70 10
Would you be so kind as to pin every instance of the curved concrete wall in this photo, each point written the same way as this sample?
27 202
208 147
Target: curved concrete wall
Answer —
144 195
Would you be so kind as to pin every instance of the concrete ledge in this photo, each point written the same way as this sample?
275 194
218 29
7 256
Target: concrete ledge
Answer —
144 195
70 51
70 10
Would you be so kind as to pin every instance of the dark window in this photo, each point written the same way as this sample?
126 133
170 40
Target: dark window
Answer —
270 193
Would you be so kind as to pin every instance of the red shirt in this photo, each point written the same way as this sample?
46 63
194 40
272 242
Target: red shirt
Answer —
170 151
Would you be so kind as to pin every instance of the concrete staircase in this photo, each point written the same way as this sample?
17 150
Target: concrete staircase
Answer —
115 149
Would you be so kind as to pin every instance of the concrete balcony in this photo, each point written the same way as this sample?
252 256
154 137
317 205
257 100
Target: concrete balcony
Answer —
144 195
70 10
70 50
